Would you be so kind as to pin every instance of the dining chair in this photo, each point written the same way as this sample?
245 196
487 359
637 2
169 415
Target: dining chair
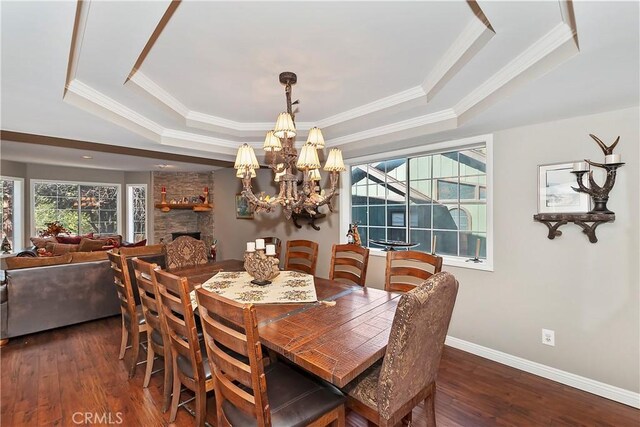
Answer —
274 241
190 368
185 251
406 269
386 393
247 392
302 255
349 263
157 338
133 321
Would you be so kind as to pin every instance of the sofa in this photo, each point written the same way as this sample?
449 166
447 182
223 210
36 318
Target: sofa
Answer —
40 298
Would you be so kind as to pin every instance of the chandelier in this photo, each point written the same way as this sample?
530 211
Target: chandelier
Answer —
286 165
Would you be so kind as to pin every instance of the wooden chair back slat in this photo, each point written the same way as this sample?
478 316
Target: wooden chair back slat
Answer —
148 294
122 281
216 313
405 265
349 262
302 255
178 314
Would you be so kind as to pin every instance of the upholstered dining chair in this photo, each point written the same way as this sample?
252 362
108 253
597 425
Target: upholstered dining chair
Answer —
247 392
406 269
190 367
185 251
386 393
133 321
274 241
302 255
349 263
157 338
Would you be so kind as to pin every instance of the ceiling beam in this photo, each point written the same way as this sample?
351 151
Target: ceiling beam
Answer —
29 138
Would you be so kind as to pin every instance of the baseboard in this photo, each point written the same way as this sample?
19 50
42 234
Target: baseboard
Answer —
592 386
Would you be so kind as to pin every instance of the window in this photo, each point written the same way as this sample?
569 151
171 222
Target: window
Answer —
136 212
12 193
417 196
80 208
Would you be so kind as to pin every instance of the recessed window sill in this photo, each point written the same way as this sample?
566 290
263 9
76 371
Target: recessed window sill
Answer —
447 261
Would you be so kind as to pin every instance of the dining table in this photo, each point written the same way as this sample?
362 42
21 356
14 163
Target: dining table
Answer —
336 338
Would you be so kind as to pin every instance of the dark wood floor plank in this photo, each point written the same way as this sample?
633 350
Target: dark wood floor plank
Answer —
46 378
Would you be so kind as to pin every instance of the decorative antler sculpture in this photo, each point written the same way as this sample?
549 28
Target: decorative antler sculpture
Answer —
600 194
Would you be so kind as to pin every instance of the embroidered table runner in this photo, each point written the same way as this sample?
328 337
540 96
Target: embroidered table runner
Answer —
288 287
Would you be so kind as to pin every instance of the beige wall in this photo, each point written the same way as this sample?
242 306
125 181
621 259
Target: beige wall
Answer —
587 293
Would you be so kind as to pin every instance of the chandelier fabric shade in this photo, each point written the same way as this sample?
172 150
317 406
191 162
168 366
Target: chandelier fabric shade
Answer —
272 142
246 158
284 126
297 194
315 138
308 158
334 161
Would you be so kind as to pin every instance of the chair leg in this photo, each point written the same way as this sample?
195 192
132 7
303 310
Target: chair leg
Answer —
150 355
430 408
135 347
340 421
123 340
168 379
406 420
175 399
201 407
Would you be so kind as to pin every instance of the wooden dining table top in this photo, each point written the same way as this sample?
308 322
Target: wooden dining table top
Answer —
336 342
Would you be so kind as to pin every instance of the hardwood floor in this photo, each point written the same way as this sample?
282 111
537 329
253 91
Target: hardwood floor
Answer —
69 375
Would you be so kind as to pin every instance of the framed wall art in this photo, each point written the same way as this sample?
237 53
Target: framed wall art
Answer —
243 209
555 194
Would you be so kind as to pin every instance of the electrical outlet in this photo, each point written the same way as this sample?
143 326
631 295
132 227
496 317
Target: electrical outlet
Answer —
548 337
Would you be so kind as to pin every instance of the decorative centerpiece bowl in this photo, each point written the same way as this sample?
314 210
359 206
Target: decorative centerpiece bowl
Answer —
263 268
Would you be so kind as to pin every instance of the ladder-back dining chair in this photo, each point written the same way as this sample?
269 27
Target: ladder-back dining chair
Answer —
157 339
247 392
185 251
190 366
406 269
133 321
349 263
302 255
386 393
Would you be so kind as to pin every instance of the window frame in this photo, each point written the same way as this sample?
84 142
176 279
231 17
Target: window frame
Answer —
424 150
129 213
18 211
32 197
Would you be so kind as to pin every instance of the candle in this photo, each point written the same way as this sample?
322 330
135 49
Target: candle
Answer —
434 241
206 189
477 248
271 250
251 246
580 166
164 189
613 158
259 244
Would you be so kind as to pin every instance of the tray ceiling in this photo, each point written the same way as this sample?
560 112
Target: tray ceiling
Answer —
201 77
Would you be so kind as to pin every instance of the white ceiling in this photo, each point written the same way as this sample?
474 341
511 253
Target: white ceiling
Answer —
373 75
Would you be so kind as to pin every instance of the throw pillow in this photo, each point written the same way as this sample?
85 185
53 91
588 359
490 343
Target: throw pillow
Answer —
15 263
41 242
75 240
61 248
135 245
90 245
114 237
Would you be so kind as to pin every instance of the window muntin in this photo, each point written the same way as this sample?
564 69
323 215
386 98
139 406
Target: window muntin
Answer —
136 212
446 198
81 208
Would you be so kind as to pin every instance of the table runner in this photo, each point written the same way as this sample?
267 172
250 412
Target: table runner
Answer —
288 287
